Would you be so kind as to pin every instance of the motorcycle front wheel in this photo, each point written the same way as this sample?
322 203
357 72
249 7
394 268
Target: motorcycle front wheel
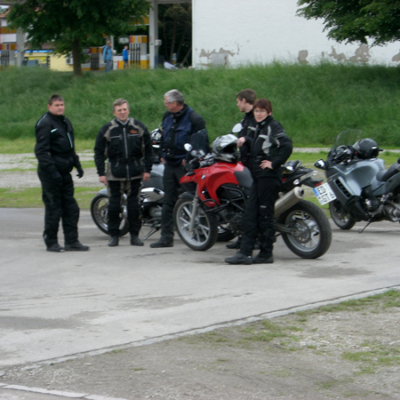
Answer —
311 233
99 212
340 216
205 231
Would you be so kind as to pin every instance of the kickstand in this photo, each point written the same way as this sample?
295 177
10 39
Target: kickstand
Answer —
153 230
365 227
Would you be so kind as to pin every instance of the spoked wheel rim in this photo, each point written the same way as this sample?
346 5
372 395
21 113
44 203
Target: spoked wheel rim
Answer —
100 211
205 229
201 230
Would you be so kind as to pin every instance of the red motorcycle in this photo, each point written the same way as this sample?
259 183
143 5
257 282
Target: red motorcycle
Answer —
217 188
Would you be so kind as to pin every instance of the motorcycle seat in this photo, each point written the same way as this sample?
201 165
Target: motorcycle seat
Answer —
385 175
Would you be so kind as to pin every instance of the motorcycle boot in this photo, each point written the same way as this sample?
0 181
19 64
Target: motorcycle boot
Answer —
260 259
239 258
162 242
113 242
135 241
55 248
75 246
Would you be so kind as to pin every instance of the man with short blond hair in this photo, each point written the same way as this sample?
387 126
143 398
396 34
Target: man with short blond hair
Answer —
126 143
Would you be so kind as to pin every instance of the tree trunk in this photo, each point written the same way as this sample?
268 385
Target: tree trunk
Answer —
76 55
187 55
172 41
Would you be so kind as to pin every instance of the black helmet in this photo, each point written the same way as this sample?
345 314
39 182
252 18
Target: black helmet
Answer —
225 148
366 148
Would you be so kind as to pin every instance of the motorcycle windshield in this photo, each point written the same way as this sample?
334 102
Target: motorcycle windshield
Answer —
347 138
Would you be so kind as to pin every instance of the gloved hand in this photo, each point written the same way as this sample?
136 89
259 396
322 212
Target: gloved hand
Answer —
80 172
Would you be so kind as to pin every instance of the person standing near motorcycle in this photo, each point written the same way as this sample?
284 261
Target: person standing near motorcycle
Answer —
270 149
245 100
55 151
180 125
125 142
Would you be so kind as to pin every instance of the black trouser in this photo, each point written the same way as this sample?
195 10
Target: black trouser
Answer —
59 204
258 220
116 189
171 178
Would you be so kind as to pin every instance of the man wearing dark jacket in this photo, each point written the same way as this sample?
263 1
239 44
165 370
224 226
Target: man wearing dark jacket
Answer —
55 151
126 143
181 125
245 100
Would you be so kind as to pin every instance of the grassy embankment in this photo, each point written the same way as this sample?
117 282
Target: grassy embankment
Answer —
313 103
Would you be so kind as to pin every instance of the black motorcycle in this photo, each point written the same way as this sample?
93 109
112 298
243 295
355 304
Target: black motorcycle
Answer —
360 188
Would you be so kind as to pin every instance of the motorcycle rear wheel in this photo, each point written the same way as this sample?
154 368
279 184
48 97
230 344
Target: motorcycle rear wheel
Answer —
340 216
99 212
205 232
312 233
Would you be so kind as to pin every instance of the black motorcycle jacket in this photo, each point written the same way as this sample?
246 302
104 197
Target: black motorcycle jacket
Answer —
55 148
248 129
248 125
127 148
177 131
270 143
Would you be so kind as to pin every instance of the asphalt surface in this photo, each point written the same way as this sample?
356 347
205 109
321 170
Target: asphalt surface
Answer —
57 306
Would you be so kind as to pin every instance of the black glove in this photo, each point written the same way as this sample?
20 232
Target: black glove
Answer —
80 172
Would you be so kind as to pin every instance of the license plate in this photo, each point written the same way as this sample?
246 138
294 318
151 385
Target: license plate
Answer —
324 193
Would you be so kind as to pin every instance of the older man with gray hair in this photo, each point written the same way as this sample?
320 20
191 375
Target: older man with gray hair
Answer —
180 126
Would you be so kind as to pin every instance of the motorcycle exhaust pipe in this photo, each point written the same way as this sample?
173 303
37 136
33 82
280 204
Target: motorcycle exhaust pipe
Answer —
288 200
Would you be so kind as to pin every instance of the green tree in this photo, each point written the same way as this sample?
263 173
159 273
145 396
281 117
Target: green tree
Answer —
175 29
356 20
73 24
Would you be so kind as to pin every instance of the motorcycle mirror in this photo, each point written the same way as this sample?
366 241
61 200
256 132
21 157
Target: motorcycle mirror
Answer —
237 128
320 164
188 147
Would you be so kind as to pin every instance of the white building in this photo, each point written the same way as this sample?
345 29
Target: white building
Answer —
237 32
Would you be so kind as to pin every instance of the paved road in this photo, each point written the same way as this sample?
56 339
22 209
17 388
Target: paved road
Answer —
53 306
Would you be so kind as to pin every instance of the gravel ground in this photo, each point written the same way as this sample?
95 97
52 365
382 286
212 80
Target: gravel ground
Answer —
352 353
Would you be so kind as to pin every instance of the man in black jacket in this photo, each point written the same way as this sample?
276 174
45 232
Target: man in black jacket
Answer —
181 125
245 100
55 151
126 143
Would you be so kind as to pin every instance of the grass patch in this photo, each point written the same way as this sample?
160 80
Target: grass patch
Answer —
32 197
375 356
324 99
387 299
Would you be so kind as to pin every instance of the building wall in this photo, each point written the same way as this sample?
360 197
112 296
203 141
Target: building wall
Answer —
234 32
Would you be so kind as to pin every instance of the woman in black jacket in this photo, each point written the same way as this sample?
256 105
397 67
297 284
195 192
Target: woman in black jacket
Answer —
270 149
